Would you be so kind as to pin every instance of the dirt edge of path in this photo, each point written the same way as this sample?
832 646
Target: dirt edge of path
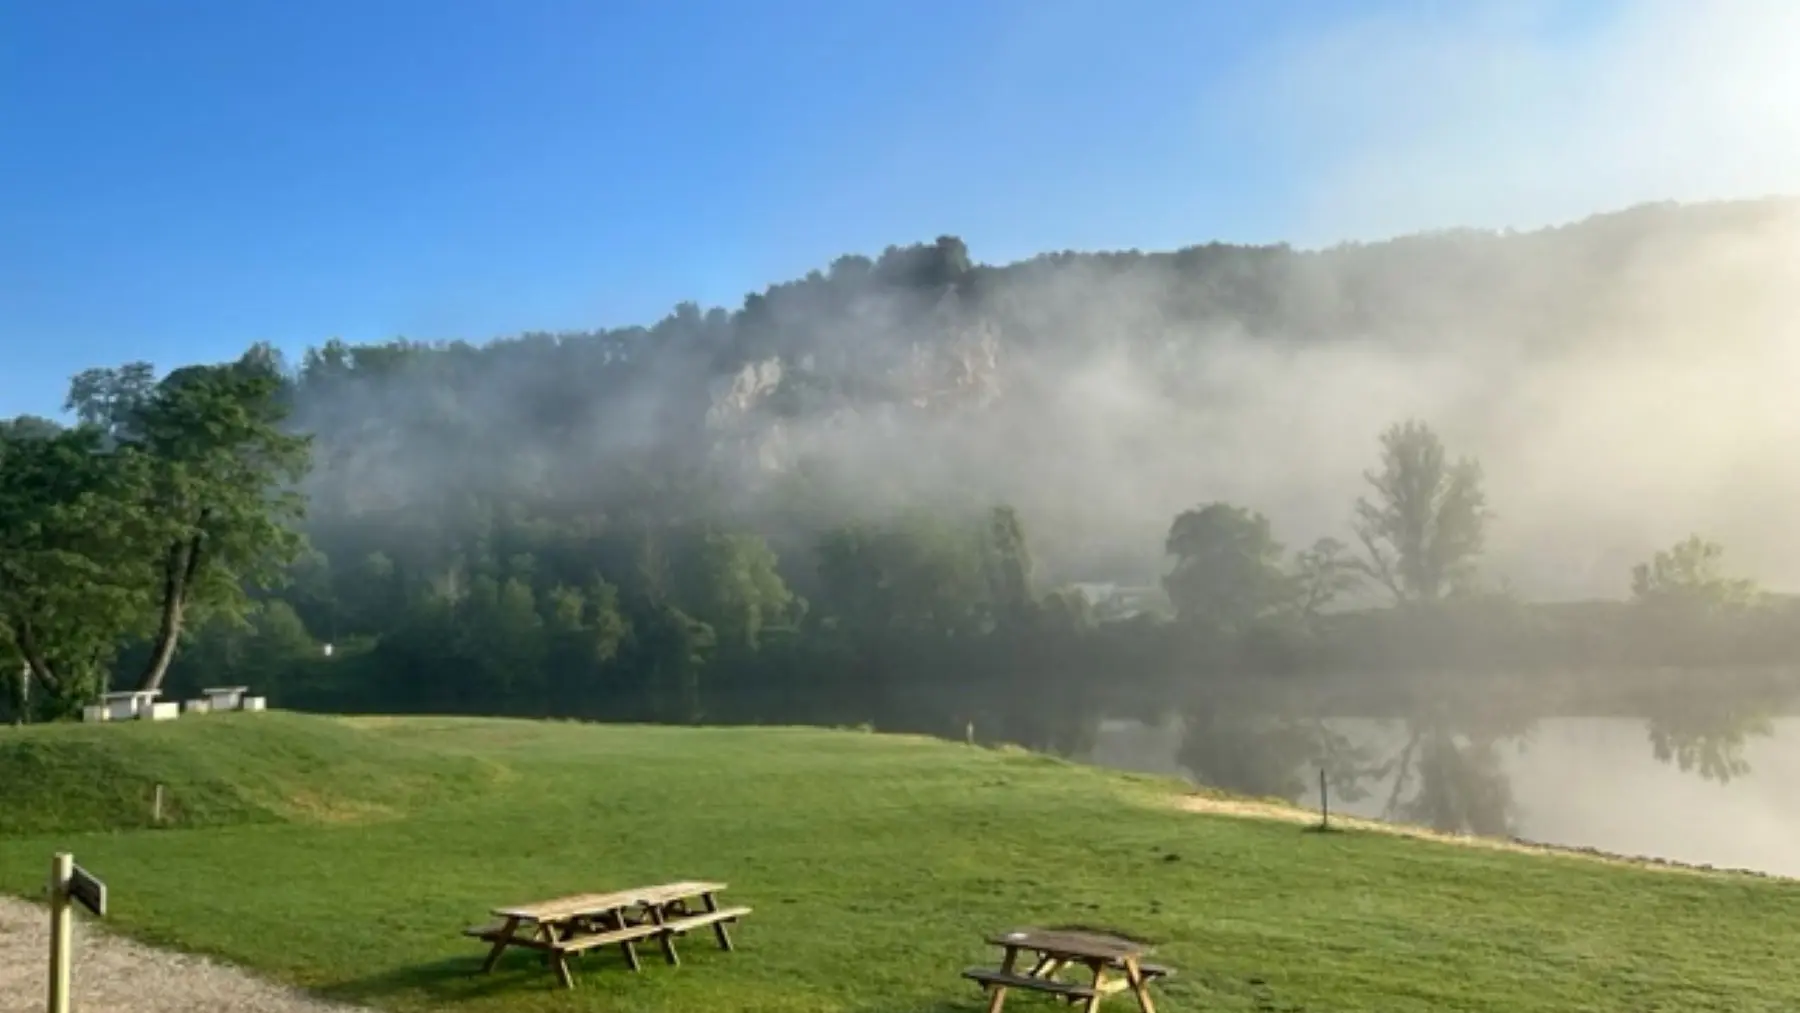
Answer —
1216 805
113 974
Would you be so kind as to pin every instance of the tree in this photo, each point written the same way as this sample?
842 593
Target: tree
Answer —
1686 608
1427 524
731 583
1006 564
220 505
1228 569
1322 575
72 585
1690 576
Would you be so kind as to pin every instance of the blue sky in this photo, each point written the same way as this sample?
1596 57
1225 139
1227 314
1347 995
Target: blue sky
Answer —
181 178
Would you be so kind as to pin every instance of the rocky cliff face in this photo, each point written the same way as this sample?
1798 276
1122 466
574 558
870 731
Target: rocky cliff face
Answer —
767 411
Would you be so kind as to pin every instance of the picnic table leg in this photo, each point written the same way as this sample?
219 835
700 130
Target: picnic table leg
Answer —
666 937
1093 1002
500 945
1135 975
719 929
631 957
547 932
997 993
560 961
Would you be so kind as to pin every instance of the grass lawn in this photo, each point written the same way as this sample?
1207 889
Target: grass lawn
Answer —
346 855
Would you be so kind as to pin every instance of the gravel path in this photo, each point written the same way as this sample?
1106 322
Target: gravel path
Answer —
115 975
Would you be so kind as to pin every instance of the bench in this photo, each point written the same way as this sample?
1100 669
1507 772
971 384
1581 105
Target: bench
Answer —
987 976
687 923
577 944
683 924
490 933
554 952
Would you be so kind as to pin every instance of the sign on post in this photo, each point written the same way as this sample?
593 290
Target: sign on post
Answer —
68 881
87 891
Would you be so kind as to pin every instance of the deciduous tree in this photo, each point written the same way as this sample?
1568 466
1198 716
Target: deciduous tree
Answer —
1228 568
1427 523
220 506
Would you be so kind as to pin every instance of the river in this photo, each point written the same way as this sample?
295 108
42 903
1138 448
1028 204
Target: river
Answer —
1589 782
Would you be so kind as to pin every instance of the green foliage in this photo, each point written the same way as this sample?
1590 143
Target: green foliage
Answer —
1007 565
169 503
1427 524
1689 576
849 844
734 586
253 650
1687 608
1323 575
71 587
221 505
1228 571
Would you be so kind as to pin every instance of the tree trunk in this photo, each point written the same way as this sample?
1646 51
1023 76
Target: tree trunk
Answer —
1405 765
179 567
26 639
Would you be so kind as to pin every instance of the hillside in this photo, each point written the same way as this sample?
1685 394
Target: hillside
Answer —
1102 392
875 864
218 770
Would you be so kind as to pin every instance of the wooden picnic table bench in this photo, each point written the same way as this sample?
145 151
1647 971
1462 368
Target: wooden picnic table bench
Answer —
575 924
1057 949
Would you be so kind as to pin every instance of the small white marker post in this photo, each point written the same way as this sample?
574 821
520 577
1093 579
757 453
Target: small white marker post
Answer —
68 882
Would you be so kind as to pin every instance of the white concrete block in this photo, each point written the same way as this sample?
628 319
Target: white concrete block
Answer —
256 703
161 711
196 706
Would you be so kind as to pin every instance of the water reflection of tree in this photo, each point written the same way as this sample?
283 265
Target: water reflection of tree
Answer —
1444 775
1449 774
1460 786
1690 611
1707 734
1266 753
1445 769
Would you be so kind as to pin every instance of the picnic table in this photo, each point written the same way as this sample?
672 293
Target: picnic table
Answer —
1058 948
573 925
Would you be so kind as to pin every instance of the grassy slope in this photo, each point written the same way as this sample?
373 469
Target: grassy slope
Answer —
875 865
217 770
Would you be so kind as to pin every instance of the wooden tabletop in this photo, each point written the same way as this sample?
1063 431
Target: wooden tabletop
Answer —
596 903
1064 943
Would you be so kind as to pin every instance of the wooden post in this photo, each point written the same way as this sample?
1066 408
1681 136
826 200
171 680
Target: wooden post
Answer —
61 931
1324 802
156 807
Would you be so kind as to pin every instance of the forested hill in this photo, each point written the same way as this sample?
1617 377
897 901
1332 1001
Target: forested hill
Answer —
894 492
1102 393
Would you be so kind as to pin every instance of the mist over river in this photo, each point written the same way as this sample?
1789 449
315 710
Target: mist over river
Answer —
1584 782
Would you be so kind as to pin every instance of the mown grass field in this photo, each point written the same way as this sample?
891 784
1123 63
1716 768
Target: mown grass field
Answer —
345 855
